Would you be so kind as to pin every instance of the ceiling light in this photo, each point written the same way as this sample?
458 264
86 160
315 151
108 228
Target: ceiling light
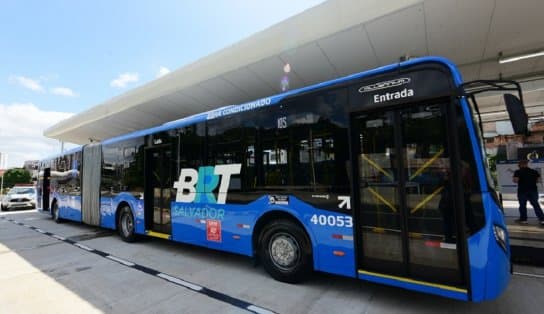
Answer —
521 57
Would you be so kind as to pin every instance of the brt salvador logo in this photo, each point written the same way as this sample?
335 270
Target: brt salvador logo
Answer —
198 186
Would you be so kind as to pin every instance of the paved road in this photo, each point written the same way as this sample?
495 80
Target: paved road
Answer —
43 274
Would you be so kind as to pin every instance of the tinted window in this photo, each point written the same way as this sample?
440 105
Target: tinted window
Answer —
66 178
122 167
191 140
233 141
225 141
304 148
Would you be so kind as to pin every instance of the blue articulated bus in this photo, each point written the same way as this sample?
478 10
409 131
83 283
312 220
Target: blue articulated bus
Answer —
379 176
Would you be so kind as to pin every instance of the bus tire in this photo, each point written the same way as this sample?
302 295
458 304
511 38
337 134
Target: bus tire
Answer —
55 213
125 225
285 251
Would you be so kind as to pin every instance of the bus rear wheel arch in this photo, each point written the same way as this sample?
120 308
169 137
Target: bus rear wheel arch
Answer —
126 223
285 251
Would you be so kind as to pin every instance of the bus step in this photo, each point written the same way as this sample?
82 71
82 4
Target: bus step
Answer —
155 234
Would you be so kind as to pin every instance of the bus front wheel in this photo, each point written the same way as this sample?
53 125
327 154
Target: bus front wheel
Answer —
285 251
125 225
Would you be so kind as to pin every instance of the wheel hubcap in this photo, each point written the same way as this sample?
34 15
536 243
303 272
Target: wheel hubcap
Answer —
284 251
126 223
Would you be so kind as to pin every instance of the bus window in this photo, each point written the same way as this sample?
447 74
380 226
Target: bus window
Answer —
191 146
305 149
232 140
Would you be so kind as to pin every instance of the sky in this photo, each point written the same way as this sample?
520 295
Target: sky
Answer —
59 58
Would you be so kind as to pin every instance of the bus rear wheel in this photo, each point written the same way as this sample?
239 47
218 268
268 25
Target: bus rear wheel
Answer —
285 251
125 225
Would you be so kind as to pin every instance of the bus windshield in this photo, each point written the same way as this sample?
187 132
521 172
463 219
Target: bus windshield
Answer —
479 132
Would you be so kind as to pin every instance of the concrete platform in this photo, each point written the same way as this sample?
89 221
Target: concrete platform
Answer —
526 241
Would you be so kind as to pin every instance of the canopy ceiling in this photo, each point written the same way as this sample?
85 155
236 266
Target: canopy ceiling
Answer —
331 40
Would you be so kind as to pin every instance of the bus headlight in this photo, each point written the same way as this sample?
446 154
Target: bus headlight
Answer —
500 236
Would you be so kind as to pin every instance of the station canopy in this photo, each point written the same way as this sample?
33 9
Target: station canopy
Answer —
331 40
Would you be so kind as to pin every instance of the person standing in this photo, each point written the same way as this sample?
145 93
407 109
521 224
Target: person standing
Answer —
527 178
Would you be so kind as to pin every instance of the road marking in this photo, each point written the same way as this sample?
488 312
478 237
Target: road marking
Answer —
258 310
219 296
120 260
180 282
83 246
528 275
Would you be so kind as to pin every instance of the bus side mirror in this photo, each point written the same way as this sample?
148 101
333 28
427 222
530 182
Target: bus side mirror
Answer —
517 114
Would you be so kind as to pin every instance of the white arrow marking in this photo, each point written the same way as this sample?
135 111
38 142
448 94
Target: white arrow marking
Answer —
344 201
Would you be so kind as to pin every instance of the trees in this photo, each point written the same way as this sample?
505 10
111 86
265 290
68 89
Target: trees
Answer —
16 176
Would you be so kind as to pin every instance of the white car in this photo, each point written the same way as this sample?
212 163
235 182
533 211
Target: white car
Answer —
19 197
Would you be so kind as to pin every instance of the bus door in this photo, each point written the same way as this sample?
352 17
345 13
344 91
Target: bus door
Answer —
405 213
159 190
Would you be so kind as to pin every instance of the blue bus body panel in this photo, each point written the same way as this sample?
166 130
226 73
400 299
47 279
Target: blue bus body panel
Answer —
109 205
69 206
192 223
328 236
489 262
107 213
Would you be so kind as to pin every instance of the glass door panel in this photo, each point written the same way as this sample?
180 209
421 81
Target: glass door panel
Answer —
379 193
430 211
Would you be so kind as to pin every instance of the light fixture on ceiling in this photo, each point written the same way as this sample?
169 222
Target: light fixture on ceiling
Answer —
520 57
